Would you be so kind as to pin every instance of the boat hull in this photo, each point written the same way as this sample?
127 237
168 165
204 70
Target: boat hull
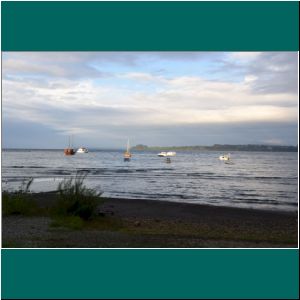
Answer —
69 151
224 157
166 154
127 156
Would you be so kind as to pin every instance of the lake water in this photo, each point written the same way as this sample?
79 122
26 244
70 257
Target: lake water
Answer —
264 180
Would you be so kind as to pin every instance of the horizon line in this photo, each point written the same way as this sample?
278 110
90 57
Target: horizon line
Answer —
121 148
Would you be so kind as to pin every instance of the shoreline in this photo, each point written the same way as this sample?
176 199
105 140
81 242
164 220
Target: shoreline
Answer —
138 206
144 223
46 198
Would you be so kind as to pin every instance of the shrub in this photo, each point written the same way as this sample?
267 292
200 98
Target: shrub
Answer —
19 202
75 199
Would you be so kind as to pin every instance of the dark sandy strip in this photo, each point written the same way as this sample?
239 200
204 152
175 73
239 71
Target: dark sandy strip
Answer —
158 224
187 212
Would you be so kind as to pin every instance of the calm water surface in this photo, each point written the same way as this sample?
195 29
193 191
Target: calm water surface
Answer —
256 179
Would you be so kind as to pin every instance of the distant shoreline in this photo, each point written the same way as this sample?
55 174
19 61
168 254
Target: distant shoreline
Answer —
216 147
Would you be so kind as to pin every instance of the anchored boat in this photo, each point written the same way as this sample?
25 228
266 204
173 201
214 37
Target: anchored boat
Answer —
224 157
69 150
82 150
127 154
166 154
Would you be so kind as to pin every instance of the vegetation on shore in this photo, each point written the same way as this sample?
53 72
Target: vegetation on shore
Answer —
75 199
218 147
74 203
74 220
20 202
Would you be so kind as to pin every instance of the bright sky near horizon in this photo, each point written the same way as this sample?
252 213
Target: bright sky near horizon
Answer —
153 98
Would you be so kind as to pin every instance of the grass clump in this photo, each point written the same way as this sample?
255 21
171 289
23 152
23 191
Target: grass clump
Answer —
71 222
20 202
75 199
107 223
10 244
76 223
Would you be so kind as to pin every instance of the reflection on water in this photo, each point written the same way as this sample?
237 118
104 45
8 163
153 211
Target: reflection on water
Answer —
255 179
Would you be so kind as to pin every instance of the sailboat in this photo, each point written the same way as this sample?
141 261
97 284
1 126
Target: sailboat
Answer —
69 150
127 154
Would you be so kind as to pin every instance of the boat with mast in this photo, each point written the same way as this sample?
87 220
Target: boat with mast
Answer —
127 154
69 150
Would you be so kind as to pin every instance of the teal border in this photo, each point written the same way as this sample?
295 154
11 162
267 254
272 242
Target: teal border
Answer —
140 274
145 26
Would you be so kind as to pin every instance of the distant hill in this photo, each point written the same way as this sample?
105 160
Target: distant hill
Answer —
217 147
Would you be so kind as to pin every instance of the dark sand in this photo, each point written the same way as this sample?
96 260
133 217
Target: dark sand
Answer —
129 223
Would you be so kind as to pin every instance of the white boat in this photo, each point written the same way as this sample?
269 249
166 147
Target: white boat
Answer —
82 150
166 154
170 153
224 157
162 154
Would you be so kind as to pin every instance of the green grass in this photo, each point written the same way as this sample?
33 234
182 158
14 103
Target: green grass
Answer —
75 199
98 223
19 204
10 244
70 222
105 224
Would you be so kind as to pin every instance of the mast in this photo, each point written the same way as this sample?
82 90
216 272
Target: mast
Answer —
127 146
127 154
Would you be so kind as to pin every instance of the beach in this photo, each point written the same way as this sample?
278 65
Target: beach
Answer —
142 223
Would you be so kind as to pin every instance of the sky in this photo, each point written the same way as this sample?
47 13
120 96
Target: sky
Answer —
152 98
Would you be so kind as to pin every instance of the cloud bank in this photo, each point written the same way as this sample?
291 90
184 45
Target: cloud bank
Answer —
174 98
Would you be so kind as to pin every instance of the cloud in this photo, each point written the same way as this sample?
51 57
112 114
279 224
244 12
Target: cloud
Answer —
244 56
27 134
146 77
89 93
274 72
52 64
